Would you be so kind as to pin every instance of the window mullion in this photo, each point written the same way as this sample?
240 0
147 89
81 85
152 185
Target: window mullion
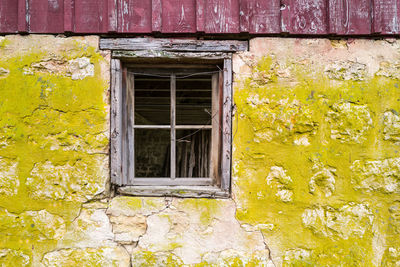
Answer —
173 122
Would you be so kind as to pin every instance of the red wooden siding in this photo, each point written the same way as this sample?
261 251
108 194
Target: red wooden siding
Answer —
305 17
8 16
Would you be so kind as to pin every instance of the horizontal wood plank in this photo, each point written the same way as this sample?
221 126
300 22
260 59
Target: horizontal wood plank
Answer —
175 191
175 182
168 54
182 45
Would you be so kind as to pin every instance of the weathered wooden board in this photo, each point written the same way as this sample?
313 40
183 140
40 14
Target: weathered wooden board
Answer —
68 15
226 155
23 17
182 45
178 16
171 55
112 16
259 16
8 16
222 16
135 16
386 16
304 16
116 123
91 16
156 15
175 191
46 16
299 17
347 17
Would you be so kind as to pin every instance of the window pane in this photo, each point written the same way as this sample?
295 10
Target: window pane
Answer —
193 100
152 153
193 153
152 100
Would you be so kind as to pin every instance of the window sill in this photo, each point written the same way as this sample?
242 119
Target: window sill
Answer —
174 191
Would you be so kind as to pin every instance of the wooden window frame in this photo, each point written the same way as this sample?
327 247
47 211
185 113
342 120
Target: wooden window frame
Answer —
181 187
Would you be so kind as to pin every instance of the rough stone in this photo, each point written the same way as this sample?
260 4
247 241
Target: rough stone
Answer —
77 69
299 256
4 73
128 229
53 66
154 259
92 228
39 225
9 181
394 219
278 178
324 181
80 68
104 256
391 257
79 181
391 122
346 70
290 107
132 206
274 119
14 257
193 227
50 226
347 221
376 175
389 70
233 257
349 122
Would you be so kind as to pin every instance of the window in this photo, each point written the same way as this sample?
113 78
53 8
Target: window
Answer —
171 123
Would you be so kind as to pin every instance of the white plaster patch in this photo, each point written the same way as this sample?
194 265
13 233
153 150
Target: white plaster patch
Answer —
80 68
190 229
91 228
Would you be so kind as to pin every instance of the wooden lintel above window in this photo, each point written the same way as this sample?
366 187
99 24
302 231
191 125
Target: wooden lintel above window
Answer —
173 45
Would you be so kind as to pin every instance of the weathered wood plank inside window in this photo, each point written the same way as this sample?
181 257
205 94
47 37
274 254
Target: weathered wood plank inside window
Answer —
116 122
215 135
130 132
227 125
173 131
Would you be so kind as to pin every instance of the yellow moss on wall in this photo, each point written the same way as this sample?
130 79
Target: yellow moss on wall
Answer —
296 144
53 138
316 164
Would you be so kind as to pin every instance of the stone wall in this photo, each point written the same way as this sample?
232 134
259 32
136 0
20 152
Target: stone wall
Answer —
316 149
316 164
